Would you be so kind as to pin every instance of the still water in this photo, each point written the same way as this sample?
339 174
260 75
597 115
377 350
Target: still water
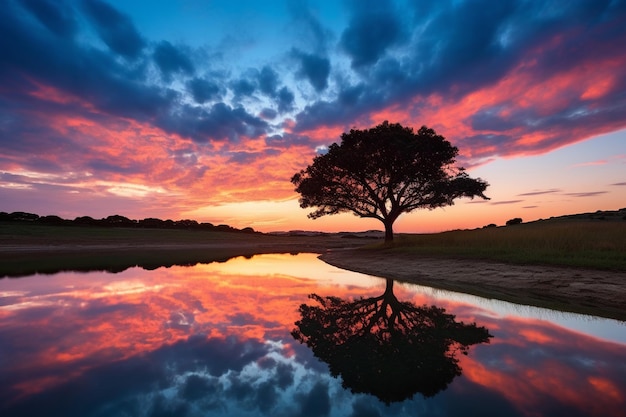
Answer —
288 335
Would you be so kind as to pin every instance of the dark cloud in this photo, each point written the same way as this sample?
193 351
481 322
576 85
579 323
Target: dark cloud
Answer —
351 95
56 16
99 164
389 75
74 69
285 100
316 403
461 44
198 387
284 375
243 87
398 56
372 30
364 407
268 114
203 90
245 158
266 396
268 81
171 60
587 194
241 391
483 145
310 31
619 184
164 407
491 119
456 49
351 103
264 82
220 122
286 140
316 69
136 375
116 30
496 203
240 319
540 192
216 355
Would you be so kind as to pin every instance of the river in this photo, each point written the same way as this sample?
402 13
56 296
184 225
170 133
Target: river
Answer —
289 335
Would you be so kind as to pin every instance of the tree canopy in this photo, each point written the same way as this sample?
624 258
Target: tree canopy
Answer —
384 347
383 172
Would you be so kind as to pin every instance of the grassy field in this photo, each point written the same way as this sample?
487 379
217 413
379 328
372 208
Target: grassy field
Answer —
30 248
590 244
36 234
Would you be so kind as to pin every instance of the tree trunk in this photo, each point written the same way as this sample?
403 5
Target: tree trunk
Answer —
388 231
389 287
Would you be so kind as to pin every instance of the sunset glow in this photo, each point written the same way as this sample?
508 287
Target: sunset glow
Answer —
205 111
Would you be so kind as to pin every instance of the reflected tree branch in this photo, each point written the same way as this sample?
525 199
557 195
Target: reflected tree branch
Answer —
385 347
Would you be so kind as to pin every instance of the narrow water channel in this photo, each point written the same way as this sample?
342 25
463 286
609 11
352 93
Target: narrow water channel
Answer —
288 335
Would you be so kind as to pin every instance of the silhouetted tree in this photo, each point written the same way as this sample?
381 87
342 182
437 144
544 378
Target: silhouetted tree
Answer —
52 219
87 221
21 216
120 221
151 222
186 224
385 347
383 172
516 220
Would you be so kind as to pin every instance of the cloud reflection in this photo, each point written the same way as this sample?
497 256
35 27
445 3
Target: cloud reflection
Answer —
214 339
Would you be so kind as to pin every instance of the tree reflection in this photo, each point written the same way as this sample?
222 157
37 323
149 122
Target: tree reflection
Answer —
385 347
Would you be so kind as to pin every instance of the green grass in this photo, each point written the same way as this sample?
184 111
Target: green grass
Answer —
31 248
600 245
85 248
588 244
34 234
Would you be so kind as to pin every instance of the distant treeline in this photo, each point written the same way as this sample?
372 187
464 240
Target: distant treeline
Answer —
118 221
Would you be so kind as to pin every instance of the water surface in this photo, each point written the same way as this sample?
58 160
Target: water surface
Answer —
234 338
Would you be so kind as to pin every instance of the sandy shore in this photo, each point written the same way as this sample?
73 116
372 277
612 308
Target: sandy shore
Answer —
599 293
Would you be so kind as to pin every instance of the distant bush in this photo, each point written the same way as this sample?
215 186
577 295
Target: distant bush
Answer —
490 225
118 221
87 221
516 220
186 224
20 216
51 220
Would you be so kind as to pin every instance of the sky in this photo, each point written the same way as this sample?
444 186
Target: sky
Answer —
204 110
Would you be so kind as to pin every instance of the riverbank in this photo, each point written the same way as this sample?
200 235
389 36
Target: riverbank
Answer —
27 250
577 290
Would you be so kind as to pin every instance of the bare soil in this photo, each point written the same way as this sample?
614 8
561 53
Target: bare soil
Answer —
585 291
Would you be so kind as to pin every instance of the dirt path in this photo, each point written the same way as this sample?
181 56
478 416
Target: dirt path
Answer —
600 293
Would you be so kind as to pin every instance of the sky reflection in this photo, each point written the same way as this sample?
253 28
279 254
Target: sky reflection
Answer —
215 339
